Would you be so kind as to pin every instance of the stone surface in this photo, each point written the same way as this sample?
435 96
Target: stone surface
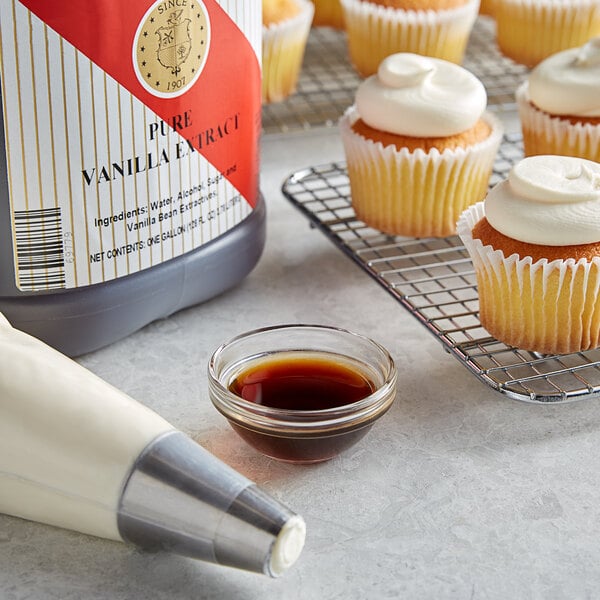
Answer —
458 492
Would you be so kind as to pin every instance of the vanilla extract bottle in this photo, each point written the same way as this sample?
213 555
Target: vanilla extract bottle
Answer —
128 168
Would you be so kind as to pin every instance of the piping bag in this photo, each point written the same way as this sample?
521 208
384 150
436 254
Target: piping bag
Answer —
75 452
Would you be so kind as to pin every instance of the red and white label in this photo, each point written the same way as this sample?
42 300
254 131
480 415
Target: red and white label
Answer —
131 131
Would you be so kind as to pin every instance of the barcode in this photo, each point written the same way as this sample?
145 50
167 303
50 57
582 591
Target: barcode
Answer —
40 251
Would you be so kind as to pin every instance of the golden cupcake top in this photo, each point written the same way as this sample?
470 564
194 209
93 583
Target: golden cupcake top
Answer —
275 11
420 96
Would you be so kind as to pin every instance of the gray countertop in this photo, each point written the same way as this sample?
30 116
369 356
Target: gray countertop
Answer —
458 492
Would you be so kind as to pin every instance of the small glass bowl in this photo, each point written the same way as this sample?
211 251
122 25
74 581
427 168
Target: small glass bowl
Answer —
302 436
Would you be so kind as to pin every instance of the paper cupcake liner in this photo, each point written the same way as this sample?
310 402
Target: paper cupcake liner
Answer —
375 32
528 31
328 13
283 46
551 307
417 194
547 134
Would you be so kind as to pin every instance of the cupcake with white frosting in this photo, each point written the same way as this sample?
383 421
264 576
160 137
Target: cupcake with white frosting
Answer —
528 31
377 28
535 246
559 104
419 145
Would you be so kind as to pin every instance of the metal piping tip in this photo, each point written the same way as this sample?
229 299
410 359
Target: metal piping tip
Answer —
182 499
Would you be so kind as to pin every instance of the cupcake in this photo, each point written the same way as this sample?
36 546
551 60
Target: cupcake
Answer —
486 7
286 25
328 13
535 246
419 145
378 28
528 31
559 104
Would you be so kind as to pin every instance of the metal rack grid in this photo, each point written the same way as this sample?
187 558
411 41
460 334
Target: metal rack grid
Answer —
328 82
434 280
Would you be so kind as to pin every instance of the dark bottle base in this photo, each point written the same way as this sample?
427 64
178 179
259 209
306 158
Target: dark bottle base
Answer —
85 319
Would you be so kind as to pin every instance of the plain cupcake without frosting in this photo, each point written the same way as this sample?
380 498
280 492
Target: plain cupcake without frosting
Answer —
528 31
377 28
286 25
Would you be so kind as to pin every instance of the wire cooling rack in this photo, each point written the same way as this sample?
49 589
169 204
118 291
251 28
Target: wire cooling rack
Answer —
327 82
434 280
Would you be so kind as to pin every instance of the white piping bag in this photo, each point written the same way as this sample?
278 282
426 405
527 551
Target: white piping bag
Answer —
75 452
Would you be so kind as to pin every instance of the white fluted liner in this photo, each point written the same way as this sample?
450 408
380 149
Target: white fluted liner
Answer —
375 32
416 193
530 30
551 307
283 46
547 134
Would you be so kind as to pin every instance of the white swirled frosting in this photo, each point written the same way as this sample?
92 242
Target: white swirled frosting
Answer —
418 96
548 200
568 83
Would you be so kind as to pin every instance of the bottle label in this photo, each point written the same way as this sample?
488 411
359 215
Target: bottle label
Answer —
131 132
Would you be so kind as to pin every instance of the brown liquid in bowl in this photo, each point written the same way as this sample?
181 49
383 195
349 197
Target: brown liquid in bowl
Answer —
301 384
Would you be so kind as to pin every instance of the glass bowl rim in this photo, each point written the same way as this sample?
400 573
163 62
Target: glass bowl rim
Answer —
249 414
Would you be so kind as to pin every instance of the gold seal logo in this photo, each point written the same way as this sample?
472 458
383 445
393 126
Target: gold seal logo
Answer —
171 46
